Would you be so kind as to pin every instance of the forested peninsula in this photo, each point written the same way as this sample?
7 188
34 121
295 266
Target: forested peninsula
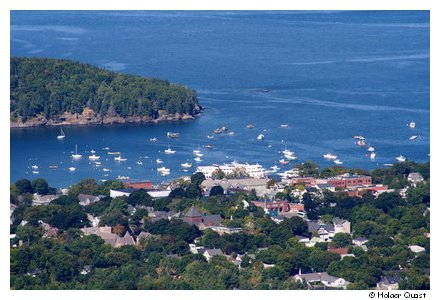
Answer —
61 92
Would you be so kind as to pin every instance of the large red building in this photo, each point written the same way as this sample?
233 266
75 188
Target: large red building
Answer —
351 180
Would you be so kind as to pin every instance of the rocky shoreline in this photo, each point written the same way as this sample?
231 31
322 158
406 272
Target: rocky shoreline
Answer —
89 117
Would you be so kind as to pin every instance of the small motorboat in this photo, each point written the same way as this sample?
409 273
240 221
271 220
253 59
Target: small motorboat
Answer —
371 149
72 169
250 126
197 159
173 135
169 151
94 157
284 125
159 161
338 162
283 161
186 165
401 158
413 137
412 124
260 137
372 155
330 156
119 158
153 140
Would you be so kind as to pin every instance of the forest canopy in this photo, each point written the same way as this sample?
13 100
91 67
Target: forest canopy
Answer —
54 86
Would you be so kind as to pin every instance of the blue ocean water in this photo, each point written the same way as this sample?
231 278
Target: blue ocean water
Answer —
329 75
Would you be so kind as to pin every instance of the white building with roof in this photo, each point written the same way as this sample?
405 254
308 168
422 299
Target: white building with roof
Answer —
254 170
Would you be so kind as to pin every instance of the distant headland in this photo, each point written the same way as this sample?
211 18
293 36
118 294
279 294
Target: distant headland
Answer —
50 92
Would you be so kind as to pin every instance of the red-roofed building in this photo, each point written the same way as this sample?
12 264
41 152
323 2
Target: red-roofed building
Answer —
352 180
147 185
296 207
340 251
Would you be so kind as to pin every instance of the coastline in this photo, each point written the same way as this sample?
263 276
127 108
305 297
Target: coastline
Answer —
88 117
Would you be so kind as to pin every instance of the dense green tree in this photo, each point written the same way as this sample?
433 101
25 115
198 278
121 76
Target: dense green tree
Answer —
140 197
40 186
341 239
24 186
216 190
197 178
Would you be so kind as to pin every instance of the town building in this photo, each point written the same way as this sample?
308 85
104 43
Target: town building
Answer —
388 283
348 180
322 277
146 185
43 199
110 238
341 225
202 221
253 170
85 199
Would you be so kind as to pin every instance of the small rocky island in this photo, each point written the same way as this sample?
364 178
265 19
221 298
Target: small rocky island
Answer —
48 92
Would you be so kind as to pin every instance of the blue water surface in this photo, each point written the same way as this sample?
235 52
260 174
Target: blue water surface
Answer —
329 75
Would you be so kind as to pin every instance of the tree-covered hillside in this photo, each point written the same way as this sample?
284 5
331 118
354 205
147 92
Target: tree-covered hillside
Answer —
53 86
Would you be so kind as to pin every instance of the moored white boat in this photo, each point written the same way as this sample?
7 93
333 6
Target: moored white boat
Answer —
34 167
186 165
76 155
169 151
119 158
371 149
290 156
372 155
283 161
412 124
260 137
197 159
71 169
338 162
120 177
139 162
153 140
94 157
401 158
159 161
413 137
106 170
62 135
330 156
284 125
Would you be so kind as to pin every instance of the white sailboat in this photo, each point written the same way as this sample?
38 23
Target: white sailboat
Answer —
76 155
62 135
94 157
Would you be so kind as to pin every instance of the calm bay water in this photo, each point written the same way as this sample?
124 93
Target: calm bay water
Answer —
329 75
